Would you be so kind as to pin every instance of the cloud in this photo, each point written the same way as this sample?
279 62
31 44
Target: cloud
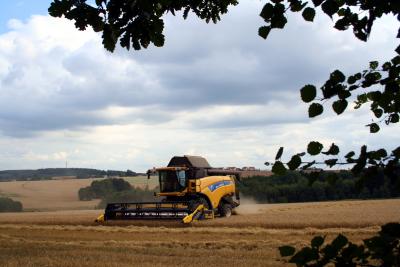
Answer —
212 87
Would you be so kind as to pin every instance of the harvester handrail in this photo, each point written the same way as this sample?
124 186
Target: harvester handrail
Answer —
135 203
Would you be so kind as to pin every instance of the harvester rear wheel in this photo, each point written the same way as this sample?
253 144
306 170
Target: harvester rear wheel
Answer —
225 210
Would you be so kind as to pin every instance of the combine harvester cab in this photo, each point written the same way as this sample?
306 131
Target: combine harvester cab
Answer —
191 191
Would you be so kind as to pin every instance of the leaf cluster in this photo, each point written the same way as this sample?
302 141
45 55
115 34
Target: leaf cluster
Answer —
380 250
134 23
357 14
368 162
384 101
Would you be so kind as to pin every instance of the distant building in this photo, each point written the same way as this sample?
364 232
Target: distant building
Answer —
248 169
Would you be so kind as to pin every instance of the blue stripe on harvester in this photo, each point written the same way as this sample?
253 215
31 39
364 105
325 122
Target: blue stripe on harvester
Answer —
217 185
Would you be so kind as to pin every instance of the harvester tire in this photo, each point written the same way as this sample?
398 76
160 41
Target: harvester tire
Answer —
225 210
195 203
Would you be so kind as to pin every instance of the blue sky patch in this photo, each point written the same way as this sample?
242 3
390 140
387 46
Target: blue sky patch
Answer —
21 10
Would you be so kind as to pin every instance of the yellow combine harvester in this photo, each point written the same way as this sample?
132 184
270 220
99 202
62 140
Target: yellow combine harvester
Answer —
191 190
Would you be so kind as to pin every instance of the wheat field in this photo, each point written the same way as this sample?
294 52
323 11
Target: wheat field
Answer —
151 246
59 230
250 238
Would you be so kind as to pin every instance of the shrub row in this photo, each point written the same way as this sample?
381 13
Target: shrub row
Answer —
114 190
103 188
297 187
9 205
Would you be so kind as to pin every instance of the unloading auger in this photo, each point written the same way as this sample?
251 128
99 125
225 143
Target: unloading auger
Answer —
191 191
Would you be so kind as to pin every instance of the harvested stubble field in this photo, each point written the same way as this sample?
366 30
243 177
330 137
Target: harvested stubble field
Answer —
53 195
71 238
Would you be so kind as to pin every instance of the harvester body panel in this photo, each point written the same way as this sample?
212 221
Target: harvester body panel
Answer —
215 188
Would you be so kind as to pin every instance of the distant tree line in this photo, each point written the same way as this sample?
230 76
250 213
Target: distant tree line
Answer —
114 190
304 187
9 205
49 173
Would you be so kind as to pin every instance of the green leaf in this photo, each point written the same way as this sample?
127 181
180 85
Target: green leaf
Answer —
374 96
396 152
391 230
308 93
58 8
333 150
264 31
330 7
373 65
351 80
286 251
352 88
363 98
309 14
378 154
315 109
294 162
317 2
314 148
373 128
343 94
304 256
342 24
396 60
317 241
278 21
278 168
339 106
297 5
267 12
361 162
109 38
394 118
186 12
279 154
350 154
308 165
339 242
342 12
331 162
386 66
378 112
337 76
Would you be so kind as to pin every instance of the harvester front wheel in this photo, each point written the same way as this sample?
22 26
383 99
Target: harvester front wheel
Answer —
225 210
198 201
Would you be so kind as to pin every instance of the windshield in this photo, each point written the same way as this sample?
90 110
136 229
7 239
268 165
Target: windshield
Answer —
172 181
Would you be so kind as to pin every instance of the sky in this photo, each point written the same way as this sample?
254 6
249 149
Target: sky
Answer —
219 91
